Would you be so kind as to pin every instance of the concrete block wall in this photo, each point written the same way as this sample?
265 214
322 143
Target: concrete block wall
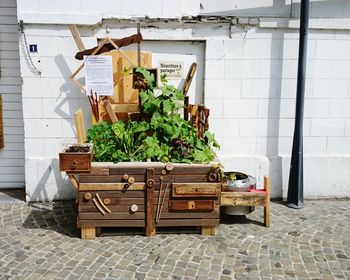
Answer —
249 84
253 101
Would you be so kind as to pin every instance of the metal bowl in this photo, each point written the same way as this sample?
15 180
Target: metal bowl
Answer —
241 185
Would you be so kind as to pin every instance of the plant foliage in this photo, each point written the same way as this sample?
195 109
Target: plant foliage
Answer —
167 137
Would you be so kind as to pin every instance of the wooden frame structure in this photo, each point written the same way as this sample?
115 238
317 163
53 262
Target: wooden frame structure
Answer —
252 198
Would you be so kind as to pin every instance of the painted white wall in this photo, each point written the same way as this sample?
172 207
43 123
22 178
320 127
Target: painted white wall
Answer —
250 86
91 12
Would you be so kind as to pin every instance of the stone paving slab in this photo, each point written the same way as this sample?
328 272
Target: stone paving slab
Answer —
40 241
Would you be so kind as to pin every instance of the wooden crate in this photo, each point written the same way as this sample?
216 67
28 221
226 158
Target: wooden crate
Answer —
75 161
171 195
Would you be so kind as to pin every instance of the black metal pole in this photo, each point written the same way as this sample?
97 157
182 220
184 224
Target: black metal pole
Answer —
295 198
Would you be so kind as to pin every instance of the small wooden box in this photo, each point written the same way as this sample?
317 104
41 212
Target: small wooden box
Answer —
76 161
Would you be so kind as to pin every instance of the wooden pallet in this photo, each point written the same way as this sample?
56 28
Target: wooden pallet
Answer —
147 195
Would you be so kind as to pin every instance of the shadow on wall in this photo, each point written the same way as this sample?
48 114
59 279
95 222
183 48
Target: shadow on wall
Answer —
274 110
52 185
71 98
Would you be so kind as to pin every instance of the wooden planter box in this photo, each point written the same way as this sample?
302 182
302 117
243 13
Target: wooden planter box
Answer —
75 161
148 195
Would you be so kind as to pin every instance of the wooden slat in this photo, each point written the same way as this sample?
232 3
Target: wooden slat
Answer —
111 223
267 184
110 186
150 230
117 201
112 194
80 127
11 149
138 178
110 111
2 143
243 199
112 216
196 189
178 170
188 222
99 171
76 36
188 80
88 207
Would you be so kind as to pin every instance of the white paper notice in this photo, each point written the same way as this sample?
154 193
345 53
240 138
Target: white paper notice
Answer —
99 75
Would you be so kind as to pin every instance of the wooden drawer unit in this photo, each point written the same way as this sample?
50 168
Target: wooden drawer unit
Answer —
148 195
75 161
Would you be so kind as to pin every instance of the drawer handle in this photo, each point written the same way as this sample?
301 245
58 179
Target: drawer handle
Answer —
74 165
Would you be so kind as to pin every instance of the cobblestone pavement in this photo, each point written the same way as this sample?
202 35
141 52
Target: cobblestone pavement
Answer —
40 241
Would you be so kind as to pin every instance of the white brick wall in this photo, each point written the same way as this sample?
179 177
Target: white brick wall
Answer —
249 84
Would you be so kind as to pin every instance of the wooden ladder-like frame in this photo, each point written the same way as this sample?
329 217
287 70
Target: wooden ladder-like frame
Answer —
252 198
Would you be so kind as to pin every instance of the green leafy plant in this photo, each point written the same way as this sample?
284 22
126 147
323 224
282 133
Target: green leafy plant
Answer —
167 137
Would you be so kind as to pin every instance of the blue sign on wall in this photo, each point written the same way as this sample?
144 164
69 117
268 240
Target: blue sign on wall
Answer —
33 48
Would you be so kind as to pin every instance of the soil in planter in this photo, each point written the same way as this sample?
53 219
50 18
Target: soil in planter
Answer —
78 149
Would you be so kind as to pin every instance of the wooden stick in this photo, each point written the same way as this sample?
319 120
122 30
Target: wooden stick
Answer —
267 184
158 202
102 204
79 123
150 231
98 206
76 36
110 111
189 78
138 46
121 53
163 199
186 100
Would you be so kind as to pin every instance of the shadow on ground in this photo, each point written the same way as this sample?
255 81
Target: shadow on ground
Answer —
58 216
12 195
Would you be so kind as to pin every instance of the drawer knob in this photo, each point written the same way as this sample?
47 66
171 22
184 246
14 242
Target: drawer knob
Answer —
131 180
74 165
87 196
106 201
134 208
169 166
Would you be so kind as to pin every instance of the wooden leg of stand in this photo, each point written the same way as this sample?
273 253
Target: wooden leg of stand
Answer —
88 233
267 206
208 230
98 231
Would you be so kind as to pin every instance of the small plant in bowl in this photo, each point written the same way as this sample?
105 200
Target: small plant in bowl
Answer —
236 181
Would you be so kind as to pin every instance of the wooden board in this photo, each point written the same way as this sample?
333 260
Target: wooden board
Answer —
110 186
87 178
123 91
243 199
1 126
196 189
